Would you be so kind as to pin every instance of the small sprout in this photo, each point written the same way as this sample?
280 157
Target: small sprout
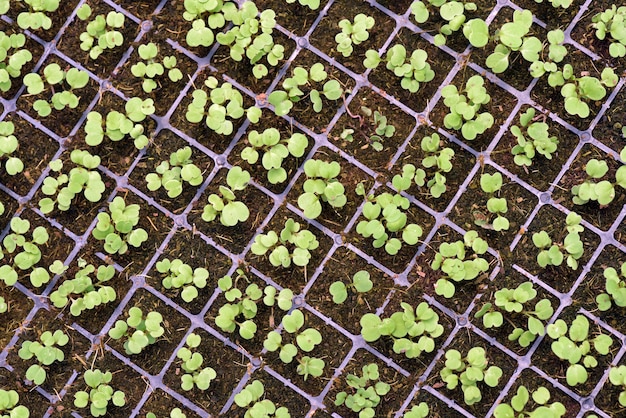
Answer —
45 352
117 126
491 184
8 145
611 25
139 330
311 4
532 138
60 83
366 391
36 17
353 33
171 175
360 283
469 371
575 347
412 70
151 69
464 108
84 292
320 187
251 398
617 377
9 407
179 275
102 31
387 223
552 254
413 331
602 191
519 405
117 229
14 59
513 37
195 374
615 286
230 211
100 393
291 236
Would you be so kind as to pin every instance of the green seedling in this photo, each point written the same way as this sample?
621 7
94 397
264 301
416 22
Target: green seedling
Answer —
8 145
117 126
518 405
413 331
151 69
20 255
273 150
615 286
552 253
225 105
179 275
366 392
62 84
225 204
453 12
469 372
36 17
311 4
464 107
420 410
387 223
102 32
556 53
14 58
310 80
174 413
412 70
46 352
4 307
83 291
577 91
242 307
196 11
291 236
602 191
250 398
491 185
100 393
195 374
436 162
353 33
251 36
9 407
517 301
139 330
305 340
575 347
360 283
83 179
532 138
117 229
171 175
617 377
611 25
457 264
513 37
321 186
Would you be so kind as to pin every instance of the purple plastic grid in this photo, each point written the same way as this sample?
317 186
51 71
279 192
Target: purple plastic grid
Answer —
180 221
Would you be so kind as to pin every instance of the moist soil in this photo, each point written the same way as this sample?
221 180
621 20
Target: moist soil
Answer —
293 17
609 127
364 127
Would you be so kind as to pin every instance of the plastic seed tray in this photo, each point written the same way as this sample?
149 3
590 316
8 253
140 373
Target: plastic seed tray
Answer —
538 197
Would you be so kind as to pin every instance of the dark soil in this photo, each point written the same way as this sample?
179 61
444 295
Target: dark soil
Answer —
462 164
35 149
609 127
341 266
472 208
19 305
161 404
267 318
33 400
293 17
554 17
191 248
361 145
441 63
